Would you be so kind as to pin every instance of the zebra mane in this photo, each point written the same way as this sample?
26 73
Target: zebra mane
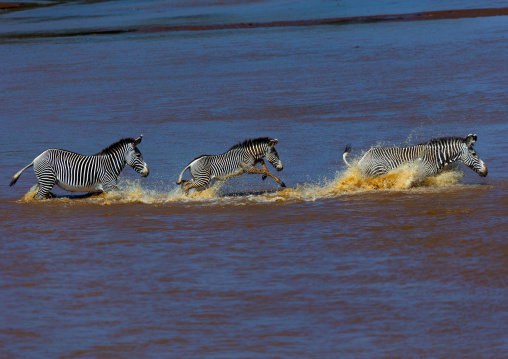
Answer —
251 142
115 146
442 140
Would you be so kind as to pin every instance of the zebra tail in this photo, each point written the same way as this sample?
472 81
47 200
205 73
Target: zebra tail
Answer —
16 176
346 152
181 174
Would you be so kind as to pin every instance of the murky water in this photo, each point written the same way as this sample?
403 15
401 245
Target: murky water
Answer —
335 265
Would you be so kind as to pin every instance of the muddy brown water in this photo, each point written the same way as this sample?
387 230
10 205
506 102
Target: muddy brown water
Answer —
333 266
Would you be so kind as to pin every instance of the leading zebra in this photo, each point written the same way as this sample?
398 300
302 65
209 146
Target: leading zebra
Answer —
239 159
434 156
78 173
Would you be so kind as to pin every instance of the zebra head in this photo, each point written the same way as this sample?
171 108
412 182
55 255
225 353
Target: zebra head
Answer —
271 154
470 157
134 158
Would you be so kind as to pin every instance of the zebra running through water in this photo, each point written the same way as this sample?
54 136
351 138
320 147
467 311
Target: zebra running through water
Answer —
434 156
78 173
239 159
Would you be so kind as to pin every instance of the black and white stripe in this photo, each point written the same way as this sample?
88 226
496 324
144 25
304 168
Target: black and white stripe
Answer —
434 156
79 173
239 159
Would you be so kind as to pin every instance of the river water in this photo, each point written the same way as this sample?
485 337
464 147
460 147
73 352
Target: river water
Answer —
333 266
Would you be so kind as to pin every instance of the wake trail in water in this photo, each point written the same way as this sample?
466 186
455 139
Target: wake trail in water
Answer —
404 178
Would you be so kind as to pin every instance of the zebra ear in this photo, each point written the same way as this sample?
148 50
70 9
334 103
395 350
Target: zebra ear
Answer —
272 143
470 140
137 141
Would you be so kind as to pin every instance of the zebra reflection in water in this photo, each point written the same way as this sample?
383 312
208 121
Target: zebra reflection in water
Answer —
434 156
239 159
78 173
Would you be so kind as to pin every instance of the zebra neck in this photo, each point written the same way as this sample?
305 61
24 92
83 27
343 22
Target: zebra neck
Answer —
257 153
445 154
116 161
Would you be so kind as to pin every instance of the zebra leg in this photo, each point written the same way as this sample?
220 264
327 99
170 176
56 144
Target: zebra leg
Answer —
184 185
264 171
264 166
187 185
47 180
109 184
36 188
107 189
44 191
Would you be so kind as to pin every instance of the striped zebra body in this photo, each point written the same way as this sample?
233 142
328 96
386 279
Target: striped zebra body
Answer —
239 159
434 155
79 173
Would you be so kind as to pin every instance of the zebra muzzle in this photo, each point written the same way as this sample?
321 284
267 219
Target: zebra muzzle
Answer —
145 172
484 172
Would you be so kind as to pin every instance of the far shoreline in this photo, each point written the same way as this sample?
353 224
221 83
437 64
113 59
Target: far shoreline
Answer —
418 16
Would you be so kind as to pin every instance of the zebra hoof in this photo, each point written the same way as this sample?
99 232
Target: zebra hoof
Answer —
283 184
264 177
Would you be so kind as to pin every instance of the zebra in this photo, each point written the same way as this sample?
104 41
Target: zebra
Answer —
78 173
434 156
239 159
